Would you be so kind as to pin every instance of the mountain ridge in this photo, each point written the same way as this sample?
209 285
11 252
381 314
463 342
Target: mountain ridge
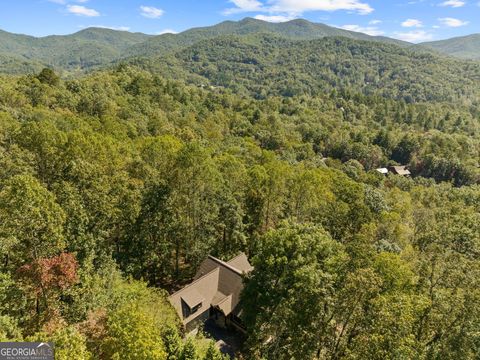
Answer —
252 64
298 29
462 47
85 48
96 47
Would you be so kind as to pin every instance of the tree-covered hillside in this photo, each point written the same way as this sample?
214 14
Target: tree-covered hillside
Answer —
294 30
95 48
465 47
124 178
17 65
82 50
265 65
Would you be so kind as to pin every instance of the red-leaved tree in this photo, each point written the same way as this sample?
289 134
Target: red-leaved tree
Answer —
48 278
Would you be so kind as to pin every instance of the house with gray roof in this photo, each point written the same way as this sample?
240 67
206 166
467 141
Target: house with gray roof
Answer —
214 293
399 170
395 170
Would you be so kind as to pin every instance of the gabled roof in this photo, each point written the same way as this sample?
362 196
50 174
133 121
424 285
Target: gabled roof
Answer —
192 297
225 305
217 283
400 170
202 286
241 263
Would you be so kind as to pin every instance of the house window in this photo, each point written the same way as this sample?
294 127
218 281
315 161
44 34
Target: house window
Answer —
194 309
190 308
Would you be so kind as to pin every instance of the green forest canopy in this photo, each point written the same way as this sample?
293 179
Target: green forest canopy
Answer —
126 178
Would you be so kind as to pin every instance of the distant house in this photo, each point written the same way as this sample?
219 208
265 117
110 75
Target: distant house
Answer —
399 170
396 170
214 293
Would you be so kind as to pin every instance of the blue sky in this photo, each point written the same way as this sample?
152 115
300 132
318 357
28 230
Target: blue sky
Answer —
410 20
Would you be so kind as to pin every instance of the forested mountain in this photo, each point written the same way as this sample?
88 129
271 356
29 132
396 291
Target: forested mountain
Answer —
264 65
96 47
465 47
93 47
293 30
84 49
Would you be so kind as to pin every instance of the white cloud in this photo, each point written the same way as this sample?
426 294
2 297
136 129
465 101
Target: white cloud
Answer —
244 6
275 18
452 22
82 11
167 31
151 12
413 36
453 3
375 22
369 30
298 7
412 23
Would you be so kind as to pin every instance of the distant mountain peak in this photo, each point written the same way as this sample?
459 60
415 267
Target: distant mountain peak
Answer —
249 19
464 47
301 22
